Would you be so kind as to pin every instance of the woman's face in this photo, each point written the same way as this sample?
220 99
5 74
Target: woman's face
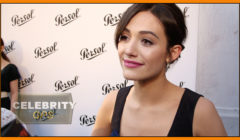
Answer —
142 48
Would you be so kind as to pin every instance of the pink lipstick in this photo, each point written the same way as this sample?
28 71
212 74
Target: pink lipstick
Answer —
132 64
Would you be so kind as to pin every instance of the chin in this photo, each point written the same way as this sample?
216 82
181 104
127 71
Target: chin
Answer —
133 77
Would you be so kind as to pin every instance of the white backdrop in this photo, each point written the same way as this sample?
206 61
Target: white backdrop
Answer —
218 61
26 28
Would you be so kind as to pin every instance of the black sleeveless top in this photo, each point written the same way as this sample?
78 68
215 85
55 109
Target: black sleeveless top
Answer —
8 74
182 123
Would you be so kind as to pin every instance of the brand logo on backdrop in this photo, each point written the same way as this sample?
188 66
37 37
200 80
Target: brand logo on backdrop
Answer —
107 88
26 81
64 86
111 20
86 120
19 21
181 84
90 54
64 20
9 48
185 11
42 53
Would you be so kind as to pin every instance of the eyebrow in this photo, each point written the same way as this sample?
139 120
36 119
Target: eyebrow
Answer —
143 32
149 32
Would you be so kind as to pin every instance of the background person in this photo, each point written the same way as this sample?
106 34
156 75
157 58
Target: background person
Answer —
9 81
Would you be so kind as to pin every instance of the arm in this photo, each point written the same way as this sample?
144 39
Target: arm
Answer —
206 121
14 93
102 125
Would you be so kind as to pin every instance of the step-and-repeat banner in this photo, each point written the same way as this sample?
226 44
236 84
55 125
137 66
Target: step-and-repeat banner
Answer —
68 62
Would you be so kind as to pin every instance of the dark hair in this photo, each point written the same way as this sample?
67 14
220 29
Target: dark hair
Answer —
4 56
170 16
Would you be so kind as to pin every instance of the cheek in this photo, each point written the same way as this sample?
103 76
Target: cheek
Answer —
155 58
120 51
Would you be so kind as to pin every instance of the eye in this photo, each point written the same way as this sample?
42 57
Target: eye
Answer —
122 38
147 42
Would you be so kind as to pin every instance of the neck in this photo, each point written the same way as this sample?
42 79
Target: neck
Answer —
152 91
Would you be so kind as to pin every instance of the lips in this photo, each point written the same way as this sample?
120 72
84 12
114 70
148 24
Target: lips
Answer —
132 64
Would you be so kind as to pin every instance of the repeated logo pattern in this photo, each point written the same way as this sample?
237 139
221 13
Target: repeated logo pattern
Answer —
21 20
64 86
107 88
26 81
111 20
42 53
9 48
62 20
87 120
87 54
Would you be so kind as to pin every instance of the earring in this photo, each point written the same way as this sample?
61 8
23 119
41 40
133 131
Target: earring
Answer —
168 66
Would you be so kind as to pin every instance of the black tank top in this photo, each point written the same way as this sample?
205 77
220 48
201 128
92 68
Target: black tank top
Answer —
8 74
182 123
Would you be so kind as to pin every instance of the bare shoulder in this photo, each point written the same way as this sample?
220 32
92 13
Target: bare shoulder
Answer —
111 97
109 103
206 121
102 125
205 106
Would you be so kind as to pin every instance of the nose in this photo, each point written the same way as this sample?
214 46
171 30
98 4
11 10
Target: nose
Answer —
131 49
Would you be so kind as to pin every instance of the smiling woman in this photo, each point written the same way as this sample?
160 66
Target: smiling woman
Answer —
149 37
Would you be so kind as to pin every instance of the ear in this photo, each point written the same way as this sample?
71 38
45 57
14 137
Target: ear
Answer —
175 52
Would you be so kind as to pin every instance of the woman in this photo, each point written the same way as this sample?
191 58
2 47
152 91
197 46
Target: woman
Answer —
149 38
9 81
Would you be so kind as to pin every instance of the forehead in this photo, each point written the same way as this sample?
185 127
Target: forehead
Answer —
146 21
